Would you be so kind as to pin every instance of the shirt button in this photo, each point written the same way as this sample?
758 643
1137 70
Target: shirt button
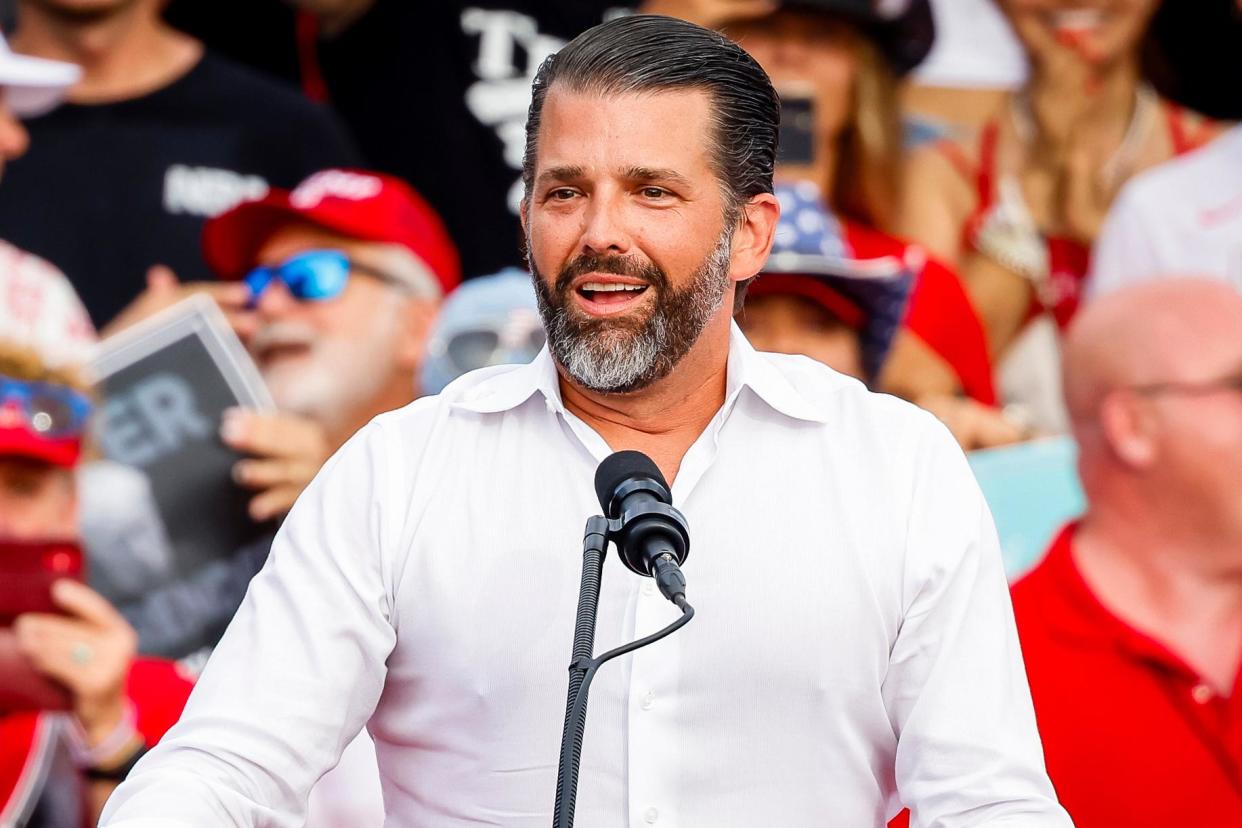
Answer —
651 816
649 587
1202 694
648 701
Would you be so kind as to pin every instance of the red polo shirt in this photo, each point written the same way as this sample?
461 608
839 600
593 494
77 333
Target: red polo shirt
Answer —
1132 736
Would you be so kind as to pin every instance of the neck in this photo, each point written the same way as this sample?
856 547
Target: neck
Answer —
664 419
123 55
1111 90
396 394
1171 580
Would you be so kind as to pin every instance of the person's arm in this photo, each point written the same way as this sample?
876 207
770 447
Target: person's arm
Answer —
89 650
968 752
299 670
937 199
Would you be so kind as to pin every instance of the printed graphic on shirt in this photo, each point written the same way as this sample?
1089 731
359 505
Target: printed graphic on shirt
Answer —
511 49
208 191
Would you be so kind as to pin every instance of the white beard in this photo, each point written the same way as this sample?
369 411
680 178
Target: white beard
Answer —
337 377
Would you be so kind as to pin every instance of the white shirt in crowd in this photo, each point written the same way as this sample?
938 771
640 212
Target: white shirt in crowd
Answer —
854 647
974 48
1181 218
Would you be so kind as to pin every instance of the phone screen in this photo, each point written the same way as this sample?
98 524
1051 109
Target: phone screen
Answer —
797 134
27 572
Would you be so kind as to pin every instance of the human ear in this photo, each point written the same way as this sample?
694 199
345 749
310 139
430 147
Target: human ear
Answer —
1129 428
417 317
753 237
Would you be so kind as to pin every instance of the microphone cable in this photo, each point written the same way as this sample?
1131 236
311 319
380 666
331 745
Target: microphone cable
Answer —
575 715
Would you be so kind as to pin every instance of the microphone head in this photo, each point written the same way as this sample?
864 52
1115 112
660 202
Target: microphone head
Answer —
621 467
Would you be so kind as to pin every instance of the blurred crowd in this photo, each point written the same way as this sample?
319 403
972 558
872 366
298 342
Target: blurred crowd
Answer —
1022 215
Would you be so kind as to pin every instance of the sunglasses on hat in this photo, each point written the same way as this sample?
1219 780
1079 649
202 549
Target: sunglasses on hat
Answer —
314 275
46 410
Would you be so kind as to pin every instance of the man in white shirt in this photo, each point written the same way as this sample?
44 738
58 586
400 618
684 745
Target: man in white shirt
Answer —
854 649
1182 217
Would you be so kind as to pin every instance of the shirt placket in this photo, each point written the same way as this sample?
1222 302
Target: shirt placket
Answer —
654 751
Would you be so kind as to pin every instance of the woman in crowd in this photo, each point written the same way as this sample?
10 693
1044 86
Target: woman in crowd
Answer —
1016 208
837 70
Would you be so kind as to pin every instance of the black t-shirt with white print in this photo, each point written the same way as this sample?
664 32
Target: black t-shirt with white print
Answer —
434 92
107 190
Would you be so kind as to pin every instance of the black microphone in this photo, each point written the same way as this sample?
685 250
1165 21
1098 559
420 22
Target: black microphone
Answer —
653 538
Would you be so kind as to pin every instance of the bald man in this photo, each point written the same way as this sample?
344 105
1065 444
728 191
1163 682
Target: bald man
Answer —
1132 625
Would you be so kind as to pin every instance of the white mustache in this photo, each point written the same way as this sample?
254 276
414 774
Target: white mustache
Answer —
283 334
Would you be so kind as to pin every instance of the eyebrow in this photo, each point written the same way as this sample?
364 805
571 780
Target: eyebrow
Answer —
657 174
560 174
571 172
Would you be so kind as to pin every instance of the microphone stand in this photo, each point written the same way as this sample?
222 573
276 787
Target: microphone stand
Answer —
582 667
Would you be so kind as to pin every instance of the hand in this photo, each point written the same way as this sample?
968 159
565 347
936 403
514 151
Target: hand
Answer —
289 451
711 14
89 651
974 425
164 290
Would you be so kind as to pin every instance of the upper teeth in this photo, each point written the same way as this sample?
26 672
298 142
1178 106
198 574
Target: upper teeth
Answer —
1078 19
613 286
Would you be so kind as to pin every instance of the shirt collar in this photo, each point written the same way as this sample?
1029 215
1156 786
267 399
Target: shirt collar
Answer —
748 369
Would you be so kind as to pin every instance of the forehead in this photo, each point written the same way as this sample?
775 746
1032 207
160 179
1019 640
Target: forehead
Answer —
297 237
668 129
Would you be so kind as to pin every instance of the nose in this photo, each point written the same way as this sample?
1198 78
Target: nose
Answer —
276 301
603 230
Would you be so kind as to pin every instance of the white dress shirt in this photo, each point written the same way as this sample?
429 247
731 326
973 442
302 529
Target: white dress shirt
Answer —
854 648
1180 218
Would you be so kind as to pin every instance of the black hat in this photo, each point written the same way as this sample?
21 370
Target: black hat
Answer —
903 29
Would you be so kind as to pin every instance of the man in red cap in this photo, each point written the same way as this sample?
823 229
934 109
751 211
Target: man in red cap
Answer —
333 287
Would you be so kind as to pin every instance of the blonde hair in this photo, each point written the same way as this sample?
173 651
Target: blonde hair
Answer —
22 363
867 181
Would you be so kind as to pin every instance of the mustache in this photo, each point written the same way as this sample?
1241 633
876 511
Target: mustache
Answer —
612 265
279 334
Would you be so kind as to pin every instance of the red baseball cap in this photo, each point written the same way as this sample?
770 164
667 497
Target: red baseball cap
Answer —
356 203
18 440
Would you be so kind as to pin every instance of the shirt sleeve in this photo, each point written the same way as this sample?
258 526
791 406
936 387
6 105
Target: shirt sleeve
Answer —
298 672
968 752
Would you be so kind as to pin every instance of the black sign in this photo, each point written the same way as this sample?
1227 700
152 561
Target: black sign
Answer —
166 384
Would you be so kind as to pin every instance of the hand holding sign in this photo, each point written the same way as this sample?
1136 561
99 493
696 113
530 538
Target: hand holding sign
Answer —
288 451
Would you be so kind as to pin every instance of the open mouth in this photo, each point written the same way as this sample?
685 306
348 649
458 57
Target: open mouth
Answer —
603 298
1077 21
278 351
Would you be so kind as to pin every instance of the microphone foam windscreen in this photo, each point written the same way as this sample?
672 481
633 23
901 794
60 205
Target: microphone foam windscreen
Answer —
619 467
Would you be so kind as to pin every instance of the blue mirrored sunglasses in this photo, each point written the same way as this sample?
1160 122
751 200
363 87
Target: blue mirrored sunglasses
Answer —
315 275
55 412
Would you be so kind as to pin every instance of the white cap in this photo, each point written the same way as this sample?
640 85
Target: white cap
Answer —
40 310
33 86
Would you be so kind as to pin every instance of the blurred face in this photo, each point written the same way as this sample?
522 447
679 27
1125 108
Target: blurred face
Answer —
626 234
326 358
1198 430
1100 31
785 324
38 501
806 55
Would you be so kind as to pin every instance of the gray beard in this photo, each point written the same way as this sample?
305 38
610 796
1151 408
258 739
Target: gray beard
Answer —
621 356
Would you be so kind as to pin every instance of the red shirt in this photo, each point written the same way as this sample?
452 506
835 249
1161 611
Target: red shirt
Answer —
939 312
1132 736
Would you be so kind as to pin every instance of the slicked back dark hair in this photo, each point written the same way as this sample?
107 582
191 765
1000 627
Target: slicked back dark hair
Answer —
650 53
